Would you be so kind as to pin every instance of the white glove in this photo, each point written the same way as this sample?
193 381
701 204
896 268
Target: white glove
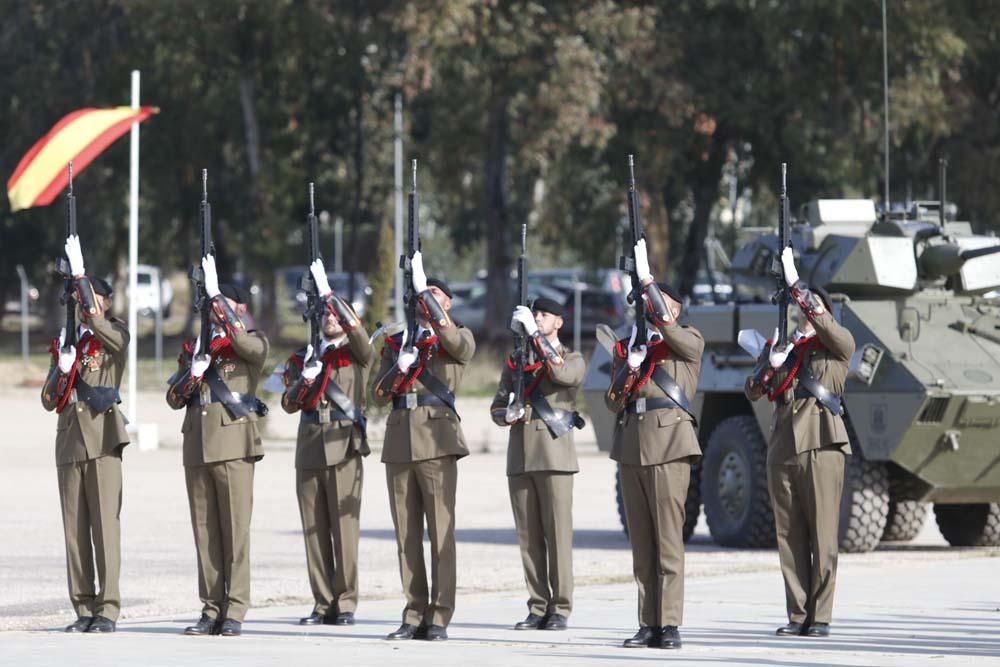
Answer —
406 359
311 366
637 356
778 355
67 357
513 415
75 255
642 262
524 320
419 277
211 276
199 362
62 339
318 272
788 265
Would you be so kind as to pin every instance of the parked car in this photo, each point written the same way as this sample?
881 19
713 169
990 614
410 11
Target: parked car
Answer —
597 306
147 300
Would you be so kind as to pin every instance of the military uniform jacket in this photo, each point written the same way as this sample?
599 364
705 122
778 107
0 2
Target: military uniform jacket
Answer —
320 445
430 431
803 424
211 433
82 433
531 448
667 434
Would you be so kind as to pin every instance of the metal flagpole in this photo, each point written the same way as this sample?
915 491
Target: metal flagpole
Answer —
398 229
133 255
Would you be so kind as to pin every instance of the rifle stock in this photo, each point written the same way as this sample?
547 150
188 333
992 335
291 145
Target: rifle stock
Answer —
521 350
206 247
315 309
406 261
62 265
627 262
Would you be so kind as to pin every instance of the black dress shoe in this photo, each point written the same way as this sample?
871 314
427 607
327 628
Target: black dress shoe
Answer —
80 625
669 637
231 628
555 622
405 631
204 626
101 624
314 618
532 622
344 618
436 633
818 630
647 636
793 629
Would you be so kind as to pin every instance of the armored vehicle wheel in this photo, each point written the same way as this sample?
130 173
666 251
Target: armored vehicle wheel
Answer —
864 504
734 485
692 506
969 525
904 521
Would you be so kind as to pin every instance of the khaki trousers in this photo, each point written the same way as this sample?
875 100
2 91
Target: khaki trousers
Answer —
654 512
543 515
805 496
419 490
330 507
220 496
90 494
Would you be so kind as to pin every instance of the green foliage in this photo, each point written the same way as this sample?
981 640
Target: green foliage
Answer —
380 279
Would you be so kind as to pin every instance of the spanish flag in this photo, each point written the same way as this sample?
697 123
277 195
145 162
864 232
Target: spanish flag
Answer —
80 136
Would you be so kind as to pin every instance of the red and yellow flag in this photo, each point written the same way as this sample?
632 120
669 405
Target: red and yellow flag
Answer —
80 136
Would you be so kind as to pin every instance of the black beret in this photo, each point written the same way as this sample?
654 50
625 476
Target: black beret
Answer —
547 305
670 291
101 286
441 285
234 292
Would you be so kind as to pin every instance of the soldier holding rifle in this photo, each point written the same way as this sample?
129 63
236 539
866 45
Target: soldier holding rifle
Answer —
653 373
535 398
325 383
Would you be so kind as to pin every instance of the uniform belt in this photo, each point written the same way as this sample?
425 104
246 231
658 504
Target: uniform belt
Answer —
313 416
642 405
410 401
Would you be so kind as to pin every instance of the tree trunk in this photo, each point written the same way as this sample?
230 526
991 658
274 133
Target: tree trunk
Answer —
496 215
359 153
703 179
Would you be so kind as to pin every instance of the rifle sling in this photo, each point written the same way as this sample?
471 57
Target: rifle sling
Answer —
100 399
238 405
343 403
813 387
673 391
559 422
438 388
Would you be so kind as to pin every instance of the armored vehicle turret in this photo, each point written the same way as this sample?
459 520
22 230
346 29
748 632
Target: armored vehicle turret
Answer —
915 287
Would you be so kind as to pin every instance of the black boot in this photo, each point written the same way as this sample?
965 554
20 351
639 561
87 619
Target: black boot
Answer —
647 636
314 618
101 624
436 633
231 628
405 631
670 637
532 622
793 629
204 626
344 618
818 630
80 625
555 622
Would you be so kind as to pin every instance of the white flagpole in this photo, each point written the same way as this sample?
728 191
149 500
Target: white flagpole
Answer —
133 257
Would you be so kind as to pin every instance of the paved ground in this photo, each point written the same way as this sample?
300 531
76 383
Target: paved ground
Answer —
921 603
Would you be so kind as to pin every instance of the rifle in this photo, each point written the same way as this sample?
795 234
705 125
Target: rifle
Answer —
68 297
781 296
406 263
315 308
627 262
521 347
202 304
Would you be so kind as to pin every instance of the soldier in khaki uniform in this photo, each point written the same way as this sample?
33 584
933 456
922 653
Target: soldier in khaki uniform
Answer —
221 445
655 444
423 442
805 456
82 386
328 456
541 464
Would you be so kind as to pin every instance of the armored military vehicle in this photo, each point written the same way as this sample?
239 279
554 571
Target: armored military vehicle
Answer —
923 396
